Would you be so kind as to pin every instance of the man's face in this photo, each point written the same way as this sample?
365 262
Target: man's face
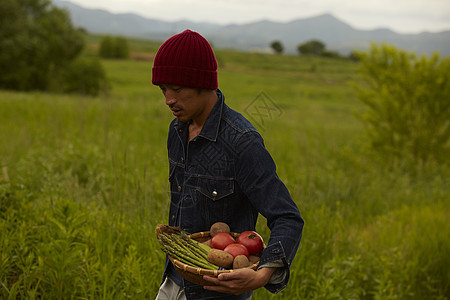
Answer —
185 103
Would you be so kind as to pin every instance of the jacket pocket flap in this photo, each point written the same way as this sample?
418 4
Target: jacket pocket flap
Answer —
215 189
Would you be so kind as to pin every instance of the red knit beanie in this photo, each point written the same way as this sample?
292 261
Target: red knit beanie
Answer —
186 59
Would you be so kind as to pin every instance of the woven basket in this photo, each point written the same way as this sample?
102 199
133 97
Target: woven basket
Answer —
195 274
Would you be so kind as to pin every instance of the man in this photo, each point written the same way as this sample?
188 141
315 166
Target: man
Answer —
219 170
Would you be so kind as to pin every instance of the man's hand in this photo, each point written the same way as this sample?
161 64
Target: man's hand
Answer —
239 281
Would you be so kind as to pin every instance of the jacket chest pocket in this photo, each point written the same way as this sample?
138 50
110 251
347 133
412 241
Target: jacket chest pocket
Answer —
215 189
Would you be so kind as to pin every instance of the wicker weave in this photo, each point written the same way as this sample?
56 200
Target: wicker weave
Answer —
195 274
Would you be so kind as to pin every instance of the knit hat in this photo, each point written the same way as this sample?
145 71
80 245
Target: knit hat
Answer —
186 59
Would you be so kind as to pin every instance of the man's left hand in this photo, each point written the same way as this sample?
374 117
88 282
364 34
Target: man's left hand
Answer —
239 281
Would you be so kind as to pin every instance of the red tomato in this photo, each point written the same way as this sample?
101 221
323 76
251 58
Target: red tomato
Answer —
236 249
252 241
221 240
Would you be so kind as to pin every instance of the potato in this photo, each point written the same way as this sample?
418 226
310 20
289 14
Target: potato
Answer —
207 242
240 261
220 258
253 259
219 227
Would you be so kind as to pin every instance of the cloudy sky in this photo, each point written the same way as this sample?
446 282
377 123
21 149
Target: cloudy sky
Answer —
403 16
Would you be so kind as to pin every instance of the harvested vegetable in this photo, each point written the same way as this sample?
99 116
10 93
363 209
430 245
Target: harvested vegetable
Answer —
236 249
252 241
253 259
179 245
220 258
221 240
240 261
219 227
207 242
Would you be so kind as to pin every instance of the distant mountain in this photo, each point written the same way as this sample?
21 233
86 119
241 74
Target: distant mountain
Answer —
127 24
336 34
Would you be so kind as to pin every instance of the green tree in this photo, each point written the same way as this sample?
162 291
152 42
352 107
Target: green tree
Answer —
315 47
407 97
277 46
121 49
36 41
114 47
106 49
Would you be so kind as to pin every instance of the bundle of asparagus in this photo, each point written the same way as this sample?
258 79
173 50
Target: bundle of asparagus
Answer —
179 245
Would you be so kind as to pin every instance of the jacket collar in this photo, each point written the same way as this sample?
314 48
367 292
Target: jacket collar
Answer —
210 129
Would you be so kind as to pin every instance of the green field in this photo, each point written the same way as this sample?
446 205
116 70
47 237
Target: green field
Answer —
84 182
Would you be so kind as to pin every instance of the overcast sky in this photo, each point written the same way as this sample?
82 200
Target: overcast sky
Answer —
403 16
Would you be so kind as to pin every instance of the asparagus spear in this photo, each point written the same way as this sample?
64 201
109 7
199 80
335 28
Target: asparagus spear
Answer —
177 244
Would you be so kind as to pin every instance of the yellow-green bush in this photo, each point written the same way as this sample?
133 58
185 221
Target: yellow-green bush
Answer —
408 107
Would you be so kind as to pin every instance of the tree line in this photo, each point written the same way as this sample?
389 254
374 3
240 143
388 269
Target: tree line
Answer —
311 47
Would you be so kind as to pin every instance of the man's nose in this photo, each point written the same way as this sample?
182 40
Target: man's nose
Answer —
170 99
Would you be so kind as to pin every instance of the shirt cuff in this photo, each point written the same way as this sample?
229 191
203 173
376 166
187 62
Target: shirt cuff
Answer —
279 274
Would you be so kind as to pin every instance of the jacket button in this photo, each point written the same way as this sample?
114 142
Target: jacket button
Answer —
179 188
182 159
173 217
214 194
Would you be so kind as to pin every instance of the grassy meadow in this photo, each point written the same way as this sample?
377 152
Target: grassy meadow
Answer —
84 182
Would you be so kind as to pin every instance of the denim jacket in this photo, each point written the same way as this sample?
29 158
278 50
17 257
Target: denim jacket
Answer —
226 174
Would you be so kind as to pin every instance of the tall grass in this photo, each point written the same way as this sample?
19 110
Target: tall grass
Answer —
84 183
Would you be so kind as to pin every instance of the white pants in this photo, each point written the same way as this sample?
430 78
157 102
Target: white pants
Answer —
169 290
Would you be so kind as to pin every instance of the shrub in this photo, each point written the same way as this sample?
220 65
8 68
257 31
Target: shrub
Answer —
85 76
121 48
331 54
106 47
315 47
354 56
408 116
114 47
